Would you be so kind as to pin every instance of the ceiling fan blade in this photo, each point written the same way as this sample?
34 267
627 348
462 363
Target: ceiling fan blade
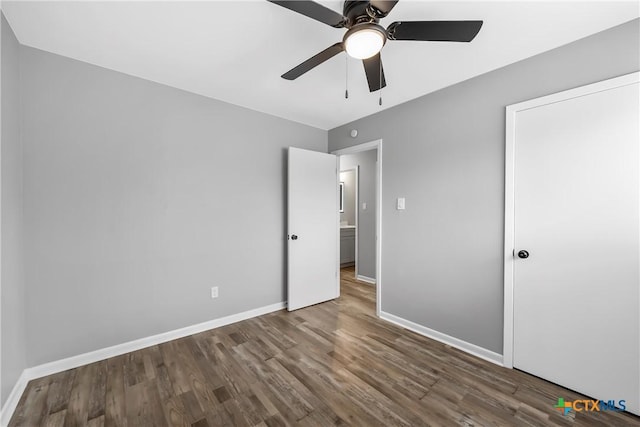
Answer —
375 73
315 11
437 31
313 62
382 7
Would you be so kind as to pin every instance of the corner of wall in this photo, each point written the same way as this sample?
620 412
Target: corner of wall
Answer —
12 284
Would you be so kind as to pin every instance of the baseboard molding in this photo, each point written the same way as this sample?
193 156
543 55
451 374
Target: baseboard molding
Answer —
366 279
467 347
116 350
11 404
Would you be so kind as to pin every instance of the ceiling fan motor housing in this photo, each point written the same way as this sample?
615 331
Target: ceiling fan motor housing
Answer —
360 12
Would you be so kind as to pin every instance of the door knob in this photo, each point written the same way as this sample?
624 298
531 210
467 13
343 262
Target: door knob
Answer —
294 237
523 254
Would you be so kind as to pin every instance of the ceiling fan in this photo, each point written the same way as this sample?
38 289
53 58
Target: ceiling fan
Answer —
365 37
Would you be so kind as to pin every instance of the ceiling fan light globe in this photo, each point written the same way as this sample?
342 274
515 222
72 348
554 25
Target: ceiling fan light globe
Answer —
364 43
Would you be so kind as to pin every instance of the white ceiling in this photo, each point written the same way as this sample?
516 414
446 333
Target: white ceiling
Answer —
236 51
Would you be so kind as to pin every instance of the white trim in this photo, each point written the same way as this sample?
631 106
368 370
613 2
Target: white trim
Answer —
509 243
366 279
1 396
509 193
116 350
465 346
356 216
337 211
377 145
379 232
365 146
616 82
13 399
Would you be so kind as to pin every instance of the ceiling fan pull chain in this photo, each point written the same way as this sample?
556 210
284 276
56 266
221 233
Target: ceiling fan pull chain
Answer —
346 79
380 69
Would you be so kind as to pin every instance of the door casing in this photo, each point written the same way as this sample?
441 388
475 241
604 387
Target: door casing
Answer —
372 145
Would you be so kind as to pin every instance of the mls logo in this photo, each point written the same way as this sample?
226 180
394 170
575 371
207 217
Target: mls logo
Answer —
563 406
589 405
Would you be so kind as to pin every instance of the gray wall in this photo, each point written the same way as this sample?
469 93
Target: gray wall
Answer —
442 256
138 199
14 342
366 161
348 178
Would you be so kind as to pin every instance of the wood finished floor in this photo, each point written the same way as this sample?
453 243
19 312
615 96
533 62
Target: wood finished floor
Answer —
330 364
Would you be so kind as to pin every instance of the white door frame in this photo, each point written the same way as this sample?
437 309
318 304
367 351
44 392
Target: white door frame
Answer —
509 194
377 145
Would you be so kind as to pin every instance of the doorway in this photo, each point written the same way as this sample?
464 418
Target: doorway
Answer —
360 232
349 186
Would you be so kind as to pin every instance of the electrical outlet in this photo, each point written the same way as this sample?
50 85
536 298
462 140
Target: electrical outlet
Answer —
214 292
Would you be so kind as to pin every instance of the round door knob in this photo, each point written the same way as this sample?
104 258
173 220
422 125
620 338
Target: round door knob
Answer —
523 254
294 237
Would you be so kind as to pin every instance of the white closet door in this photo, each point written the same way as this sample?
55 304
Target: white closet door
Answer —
576 300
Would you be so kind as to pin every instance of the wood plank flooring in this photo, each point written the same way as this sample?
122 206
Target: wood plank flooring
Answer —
330 364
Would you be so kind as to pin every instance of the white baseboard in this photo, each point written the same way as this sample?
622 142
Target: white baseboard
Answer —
14 398
473 349
116 350
366 279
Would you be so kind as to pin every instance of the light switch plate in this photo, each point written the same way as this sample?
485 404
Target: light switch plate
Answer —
400 204
364 206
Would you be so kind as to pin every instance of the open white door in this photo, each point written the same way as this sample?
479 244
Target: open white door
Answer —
312 229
